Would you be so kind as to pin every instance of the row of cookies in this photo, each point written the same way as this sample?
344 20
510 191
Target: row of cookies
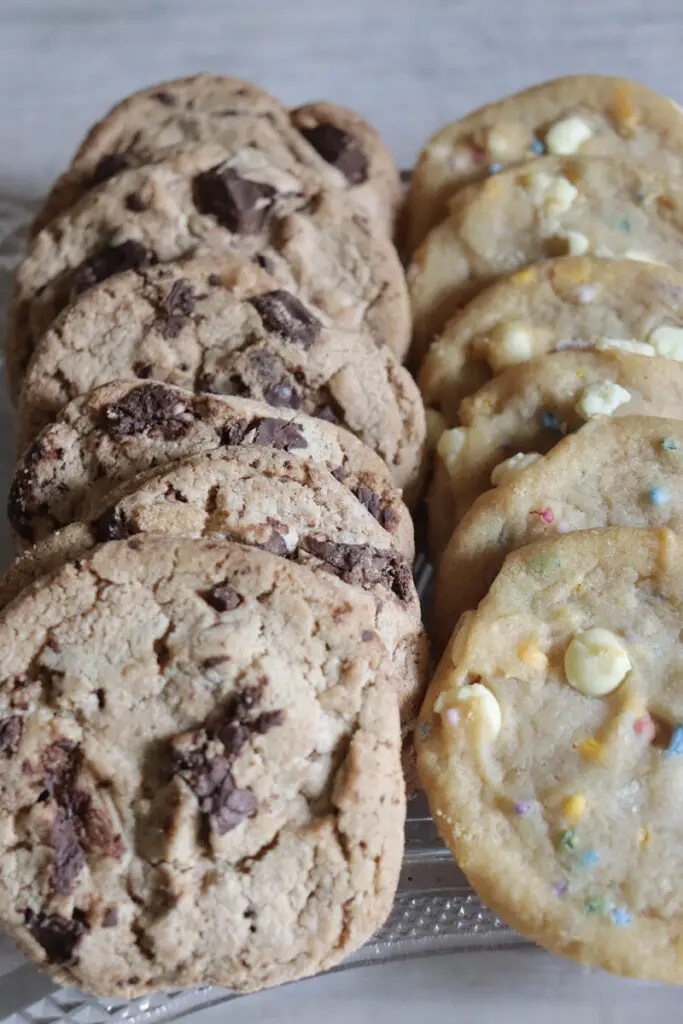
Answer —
214 645
550 739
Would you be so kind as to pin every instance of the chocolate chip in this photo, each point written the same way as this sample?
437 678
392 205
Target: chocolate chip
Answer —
265 262
215 280
110 165
142 370
233 736
368 635
172 493
268 720
231 806
286 435
165 97
112 525
154 410
111 917
275 544
10 733
234 433
179 304
222 597
282 313
58 936
339 474
110 260
363 565
68 858
384 514
238 204
340 149
135 203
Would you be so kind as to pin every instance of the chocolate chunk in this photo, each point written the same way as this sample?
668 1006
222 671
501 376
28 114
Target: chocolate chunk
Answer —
98 829
10 733
231 806
60 762
238 204
268 720
222 597
212 783
67 855
340 149
142 370
367 635
384 514
339 474
179 304
286 435
112 525
275 544
233 736
110 260
271 379
282 313
151 409
135 203
327 413
234 433
21 495
58 935
165 97
110 165
363 565
111 917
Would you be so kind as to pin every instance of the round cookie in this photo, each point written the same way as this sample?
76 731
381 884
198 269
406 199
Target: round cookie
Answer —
288 505
626 471
572 302
201 778
550 748
334 145
553 207
316 244
227 328
595 115
528 409
125 428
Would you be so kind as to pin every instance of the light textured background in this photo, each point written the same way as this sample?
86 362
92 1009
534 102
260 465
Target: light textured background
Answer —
408 65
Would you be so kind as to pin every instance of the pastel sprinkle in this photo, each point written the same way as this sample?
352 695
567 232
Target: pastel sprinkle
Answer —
537 147
551 421
624 225
676 741
589 858
560 888
574 806
658 496
620 916
522 807
425 730
452 716
669 444
569 840
645 727
586 293
546 514
496 168
591 749
563 528
531 654
596 905
544 564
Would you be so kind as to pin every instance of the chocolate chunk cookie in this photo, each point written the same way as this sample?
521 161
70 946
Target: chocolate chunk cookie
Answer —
612 472
283 503
316 245
201 777
556 206
575 302
550 748
594 115
122 429
326 142
528 409
227 328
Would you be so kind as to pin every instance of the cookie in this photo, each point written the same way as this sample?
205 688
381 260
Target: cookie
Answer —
201 778
119 430
228 330
550 748
315 244
556 206
283 503
572 302
612 472
528 409
322 140
594 115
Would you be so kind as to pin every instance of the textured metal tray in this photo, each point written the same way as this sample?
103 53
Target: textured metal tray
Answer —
435 910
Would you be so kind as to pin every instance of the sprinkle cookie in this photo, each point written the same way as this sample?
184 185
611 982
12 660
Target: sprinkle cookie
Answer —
551 747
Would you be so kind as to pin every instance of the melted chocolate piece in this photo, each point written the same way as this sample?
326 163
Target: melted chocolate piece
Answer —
68 858
340 149
112 525
238 204
223 598
110 165
282 313
363 565
153 410
177 309
110 260
384 514
58 935
10 733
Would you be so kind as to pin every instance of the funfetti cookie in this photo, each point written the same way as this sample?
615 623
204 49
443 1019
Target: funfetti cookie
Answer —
313 243
551 744
575 302
201 769
334 145
287 504
623 471
122 429
523 413
227 328
591 115
556 206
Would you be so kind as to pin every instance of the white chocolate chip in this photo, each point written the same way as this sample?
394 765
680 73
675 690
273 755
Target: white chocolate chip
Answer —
601 399
484 705
577 243
559 197
567 136
668 341
505 471
436 424
638 348
510 344
596 662
449 447
507 141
